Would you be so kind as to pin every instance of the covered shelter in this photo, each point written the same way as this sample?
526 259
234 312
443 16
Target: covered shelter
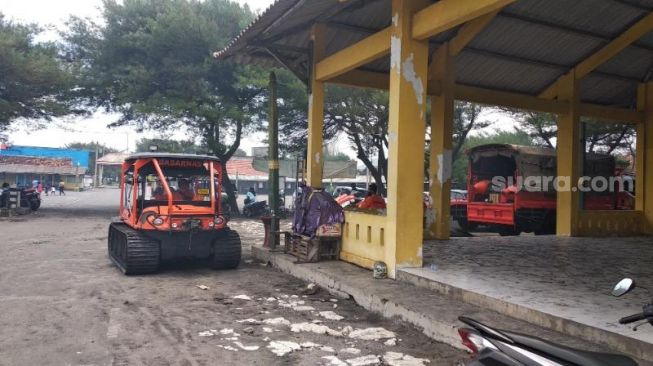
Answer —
110 160
571 58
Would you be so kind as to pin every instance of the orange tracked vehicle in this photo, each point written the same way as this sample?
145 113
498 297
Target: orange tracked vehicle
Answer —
170 209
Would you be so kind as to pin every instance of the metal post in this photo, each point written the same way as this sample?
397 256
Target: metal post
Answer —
95 175
273 162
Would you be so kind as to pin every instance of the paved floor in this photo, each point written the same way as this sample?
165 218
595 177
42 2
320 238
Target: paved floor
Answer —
569 277
62 302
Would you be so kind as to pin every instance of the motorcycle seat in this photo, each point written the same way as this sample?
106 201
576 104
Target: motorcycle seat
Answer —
575 356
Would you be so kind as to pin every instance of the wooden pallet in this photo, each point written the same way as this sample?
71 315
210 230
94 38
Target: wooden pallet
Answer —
310 250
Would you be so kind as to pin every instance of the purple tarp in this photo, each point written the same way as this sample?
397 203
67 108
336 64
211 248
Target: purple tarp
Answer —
315 208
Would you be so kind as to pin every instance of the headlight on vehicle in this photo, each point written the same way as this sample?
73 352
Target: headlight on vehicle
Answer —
158 221
219 221
174 225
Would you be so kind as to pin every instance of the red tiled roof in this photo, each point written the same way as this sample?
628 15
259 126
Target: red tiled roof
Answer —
38 165
243 166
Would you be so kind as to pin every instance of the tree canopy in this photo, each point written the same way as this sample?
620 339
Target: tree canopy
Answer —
151 62
34 82
168 145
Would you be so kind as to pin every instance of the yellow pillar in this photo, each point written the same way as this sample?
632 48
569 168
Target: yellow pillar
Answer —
440 163
644 156
569 154
406 129
314 161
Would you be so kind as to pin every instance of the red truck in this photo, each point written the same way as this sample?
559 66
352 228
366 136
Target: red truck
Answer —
512 189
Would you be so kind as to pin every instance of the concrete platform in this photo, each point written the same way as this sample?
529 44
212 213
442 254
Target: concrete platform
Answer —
432 311
562 284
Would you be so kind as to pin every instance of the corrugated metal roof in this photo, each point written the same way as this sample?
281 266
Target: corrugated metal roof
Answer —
525 49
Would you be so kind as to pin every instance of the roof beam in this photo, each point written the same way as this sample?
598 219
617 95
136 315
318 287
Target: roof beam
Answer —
358 54
469 31
363 79
375 80
507 99
610 50
352 28
611 114
448 14
300 74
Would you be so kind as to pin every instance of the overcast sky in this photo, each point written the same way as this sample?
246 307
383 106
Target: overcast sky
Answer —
52 14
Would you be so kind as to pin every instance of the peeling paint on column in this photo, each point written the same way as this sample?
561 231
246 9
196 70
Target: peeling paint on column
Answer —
419 252
395 19
317 158
444 166
408 71
310 101
395 54
392 136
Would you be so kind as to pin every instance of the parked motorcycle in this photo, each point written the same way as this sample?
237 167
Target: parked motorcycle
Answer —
623 287
496 347
255 209
29 197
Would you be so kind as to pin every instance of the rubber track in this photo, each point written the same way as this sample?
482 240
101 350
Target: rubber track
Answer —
227 251
133 252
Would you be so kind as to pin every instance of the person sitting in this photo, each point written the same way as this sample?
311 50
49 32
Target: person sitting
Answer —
159 194
250 197
373 200
184 193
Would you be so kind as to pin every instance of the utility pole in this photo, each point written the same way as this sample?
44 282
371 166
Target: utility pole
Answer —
273 162
97 148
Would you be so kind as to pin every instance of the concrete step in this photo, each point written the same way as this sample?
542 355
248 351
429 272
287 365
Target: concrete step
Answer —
620 343
431 311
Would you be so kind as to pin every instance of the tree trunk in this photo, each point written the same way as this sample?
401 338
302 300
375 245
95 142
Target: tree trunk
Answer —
230 189
226 182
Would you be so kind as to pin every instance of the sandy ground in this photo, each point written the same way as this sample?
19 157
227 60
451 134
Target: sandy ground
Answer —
62 302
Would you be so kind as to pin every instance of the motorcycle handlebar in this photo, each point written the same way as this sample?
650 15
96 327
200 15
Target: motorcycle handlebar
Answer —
632 318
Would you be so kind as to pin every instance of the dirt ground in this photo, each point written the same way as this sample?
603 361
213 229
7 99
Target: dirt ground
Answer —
62 302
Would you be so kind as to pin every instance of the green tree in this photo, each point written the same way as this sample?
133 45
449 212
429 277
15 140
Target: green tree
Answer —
541 127
599 136
168 145
361 116
34 83
151 61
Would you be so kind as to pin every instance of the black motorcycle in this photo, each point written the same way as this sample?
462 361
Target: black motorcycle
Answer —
255 209
496 347
29 197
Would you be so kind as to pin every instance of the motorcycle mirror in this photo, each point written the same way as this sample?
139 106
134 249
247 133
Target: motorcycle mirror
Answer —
624 286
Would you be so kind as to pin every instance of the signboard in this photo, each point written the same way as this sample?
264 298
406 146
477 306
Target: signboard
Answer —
180 163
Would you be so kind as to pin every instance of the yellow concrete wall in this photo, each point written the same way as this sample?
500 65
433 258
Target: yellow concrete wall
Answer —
363 238
610 223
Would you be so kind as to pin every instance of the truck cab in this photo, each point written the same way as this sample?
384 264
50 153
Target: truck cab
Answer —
512 189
